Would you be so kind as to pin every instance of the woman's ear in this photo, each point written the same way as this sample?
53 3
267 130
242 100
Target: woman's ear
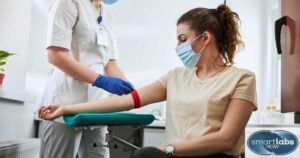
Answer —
206 37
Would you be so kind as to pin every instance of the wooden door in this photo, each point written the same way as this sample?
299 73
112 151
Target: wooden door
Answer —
288 29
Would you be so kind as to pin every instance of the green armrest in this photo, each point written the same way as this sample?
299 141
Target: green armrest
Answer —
117 118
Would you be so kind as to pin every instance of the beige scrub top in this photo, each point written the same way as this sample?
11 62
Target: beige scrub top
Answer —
197 107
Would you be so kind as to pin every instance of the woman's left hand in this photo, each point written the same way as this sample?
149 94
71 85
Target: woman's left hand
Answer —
162 148
51 112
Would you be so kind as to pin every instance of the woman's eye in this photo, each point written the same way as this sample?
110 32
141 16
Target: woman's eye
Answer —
182 40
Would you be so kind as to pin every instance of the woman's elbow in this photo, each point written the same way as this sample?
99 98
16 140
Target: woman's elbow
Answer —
228 143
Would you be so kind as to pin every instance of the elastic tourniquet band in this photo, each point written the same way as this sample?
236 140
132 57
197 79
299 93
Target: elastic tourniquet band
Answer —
136 99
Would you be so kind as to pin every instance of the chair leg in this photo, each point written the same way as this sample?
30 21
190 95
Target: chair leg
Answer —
111 138
125 142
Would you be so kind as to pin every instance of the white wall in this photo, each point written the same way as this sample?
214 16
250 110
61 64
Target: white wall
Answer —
38 69
14 27
269 59
16 118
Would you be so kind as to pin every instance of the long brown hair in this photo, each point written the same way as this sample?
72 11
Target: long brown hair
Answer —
222 23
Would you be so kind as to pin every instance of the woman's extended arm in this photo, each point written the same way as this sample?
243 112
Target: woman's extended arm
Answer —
152 93
236 118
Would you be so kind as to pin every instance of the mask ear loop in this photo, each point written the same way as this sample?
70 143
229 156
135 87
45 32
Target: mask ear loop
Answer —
205 43
196 38
202 50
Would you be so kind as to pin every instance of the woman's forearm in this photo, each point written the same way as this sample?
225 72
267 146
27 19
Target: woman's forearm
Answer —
111 104
205 145
152 93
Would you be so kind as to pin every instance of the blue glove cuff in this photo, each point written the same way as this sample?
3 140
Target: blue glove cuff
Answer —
98 82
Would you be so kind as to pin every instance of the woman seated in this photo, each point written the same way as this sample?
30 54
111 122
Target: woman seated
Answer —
209 102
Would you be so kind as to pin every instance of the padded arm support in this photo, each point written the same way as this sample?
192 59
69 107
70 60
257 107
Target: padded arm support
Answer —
117 118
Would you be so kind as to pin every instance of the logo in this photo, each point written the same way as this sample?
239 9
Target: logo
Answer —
278 142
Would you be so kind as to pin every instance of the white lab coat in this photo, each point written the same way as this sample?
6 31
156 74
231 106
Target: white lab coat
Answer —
73 25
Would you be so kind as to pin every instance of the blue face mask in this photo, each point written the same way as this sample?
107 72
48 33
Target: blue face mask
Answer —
187 55
109 2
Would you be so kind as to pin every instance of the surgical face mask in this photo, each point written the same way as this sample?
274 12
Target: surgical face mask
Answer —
109 2
187 55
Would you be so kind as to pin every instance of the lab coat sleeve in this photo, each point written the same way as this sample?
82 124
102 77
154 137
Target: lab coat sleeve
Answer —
246 89
62 18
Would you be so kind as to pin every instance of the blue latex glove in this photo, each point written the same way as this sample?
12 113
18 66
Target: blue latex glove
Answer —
113 85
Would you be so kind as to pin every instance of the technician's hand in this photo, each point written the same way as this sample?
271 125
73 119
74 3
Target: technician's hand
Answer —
113 85
51 112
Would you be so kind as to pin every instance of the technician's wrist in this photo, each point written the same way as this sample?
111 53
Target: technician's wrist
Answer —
92 77
98 80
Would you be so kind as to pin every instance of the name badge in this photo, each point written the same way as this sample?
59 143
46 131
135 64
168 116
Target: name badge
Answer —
102 37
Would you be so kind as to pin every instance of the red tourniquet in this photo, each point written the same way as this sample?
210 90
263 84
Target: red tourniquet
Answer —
136 99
